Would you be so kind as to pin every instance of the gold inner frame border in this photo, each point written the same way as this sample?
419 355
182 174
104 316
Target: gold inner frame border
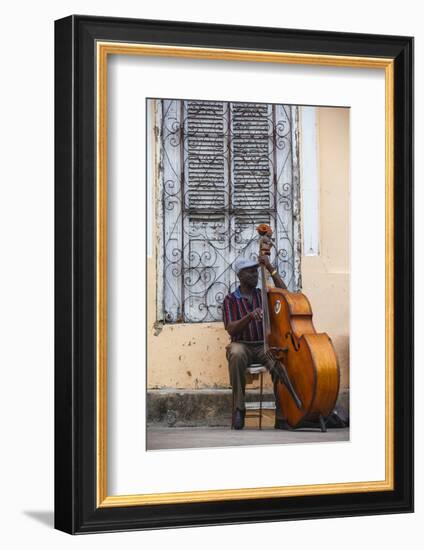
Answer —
103 50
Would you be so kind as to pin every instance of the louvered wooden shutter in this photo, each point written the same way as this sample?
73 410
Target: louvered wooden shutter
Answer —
205 219
250 161
251 131
204 159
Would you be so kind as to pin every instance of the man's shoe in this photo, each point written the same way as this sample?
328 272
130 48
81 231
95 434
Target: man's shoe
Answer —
238 423
281 424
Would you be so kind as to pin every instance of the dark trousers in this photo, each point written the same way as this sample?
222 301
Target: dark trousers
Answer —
240 355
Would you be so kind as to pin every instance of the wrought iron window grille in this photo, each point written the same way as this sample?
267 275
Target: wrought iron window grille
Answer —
224 168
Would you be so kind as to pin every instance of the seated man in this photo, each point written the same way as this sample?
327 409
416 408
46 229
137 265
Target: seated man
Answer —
242 315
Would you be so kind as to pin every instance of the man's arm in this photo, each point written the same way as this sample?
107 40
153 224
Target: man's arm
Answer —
234 327
278 281
230 313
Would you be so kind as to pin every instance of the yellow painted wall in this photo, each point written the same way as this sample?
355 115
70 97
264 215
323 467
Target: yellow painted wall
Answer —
192 356
325 278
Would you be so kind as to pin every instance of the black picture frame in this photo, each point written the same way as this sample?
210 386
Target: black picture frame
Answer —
76 503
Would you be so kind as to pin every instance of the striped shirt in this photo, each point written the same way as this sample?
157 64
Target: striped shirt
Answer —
235 307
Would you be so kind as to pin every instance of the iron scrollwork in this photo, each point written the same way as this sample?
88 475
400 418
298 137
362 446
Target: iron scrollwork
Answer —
225 167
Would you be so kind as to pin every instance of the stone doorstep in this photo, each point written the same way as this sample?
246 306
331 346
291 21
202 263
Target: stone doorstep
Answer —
205 407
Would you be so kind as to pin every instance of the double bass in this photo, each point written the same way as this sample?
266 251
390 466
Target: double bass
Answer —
305 361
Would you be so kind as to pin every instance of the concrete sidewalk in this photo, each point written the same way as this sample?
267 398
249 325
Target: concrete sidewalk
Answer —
159 437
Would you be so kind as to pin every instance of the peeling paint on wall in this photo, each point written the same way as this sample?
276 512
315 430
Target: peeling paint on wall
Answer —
157 328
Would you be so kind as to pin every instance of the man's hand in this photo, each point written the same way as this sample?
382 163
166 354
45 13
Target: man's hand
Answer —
256 314
264 260
236 327
278 281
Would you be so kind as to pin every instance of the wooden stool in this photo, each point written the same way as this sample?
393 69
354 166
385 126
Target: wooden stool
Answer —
254 372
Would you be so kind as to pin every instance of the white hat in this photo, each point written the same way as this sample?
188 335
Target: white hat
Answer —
243 263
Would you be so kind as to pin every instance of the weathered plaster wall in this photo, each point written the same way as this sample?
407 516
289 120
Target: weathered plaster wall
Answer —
193 355
325 277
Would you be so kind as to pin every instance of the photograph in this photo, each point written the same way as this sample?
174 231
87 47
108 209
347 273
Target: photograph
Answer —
248 277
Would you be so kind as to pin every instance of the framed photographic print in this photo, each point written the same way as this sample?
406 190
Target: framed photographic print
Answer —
234 274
